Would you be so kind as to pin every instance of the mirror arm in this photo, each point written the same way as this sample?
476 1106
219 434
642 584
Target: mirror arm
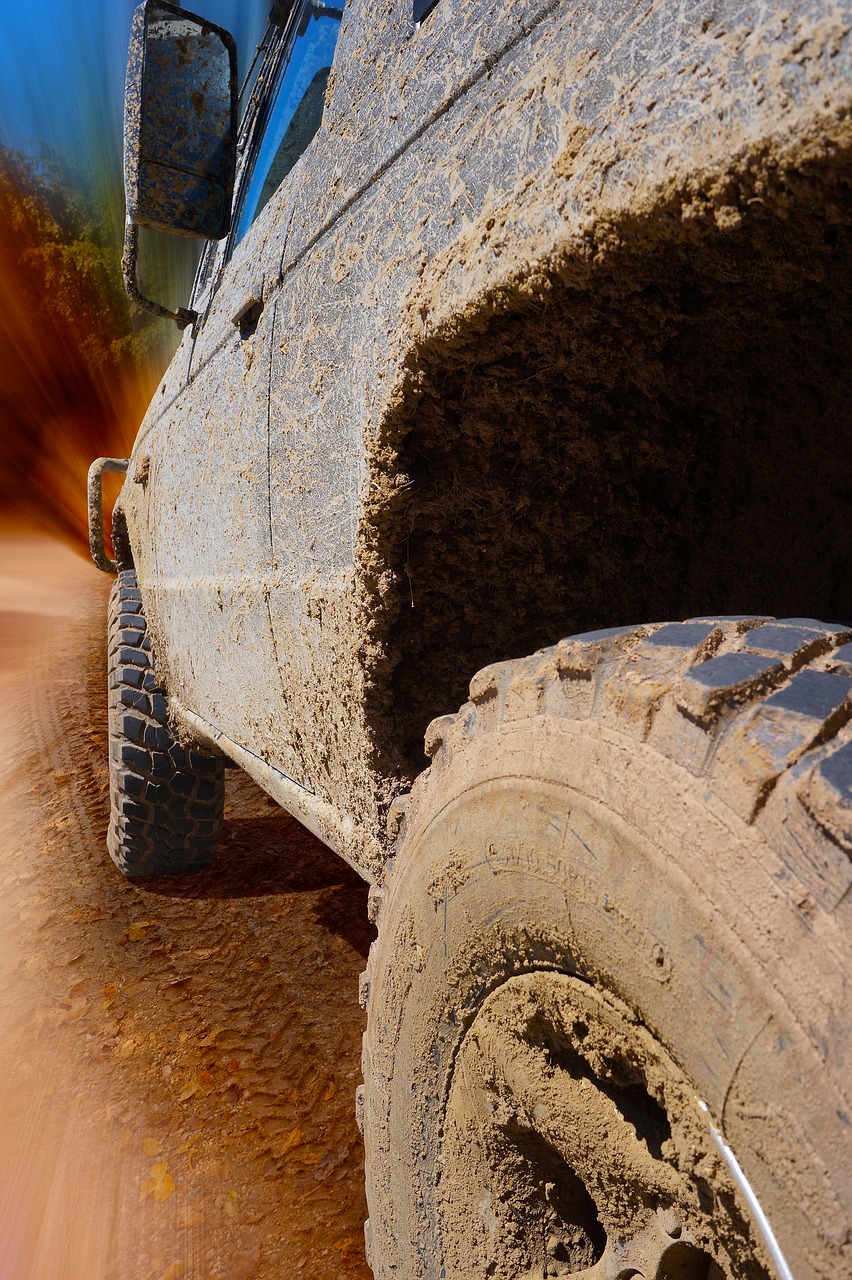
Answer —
182 317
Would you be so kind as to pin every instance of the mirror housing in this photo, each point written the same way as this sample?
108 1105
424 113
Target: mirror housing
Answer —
180 132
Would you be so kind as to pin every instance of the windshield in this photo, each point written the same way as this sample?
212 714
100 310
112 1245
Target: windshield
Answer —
296 110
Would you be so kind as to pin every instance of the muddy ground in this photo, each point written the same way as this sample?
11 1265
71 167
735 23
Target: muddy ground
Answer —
178 1058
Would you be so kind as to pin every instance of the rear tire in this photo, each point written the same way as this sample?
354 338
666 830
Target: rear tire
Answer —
615 943
166 800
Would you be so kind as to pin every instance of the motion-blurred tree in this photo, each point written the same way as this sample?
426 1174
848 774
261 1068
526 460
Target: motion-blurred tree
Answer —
78 364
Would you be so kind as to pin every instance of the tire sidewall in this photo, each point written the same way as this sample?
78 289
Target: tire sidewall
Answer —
507 870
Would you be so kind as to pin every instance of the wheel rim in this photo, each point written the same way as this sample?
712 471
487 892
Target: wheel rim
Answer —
573 1145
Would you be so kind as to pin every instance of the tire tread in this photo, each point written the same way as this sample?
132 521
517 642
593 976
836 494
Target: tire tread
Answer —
166 802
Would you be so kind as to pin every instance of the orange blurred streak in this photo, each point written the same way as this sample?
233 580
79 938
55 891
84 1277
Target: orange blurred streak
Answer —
66 395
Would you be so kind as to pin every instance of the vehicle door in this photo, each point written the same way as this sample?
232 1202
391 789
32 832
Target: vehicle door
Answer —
208 505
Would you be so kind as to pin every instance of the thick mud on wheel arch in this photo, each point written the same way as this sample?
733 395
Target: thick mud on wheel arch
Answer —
166 800
607 1005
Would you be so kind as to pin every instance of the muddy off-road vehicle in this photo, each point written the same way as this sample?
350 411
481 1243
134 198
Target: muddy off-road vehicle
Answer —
521 323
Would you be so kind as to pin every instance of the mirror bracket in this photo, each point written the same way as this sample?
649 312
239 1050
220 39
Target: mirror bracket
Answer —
182 317
180 134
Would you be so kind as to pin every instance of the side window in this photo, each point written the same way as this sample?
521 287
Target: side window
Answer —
295 110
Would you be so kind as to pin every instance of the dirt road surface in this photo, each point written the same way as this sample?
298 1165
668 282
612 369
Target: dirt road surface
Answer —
178 1058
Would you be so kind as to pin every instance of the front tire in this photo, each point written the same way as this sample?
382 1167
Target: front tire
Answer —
166 800
612 967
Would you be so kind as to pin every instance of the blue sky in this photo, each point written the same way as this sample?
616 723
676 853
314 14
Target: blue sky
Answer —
62 71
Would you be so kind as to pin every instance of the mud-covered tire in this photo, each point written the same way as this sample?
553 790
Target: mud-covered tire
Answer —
660 817
166 800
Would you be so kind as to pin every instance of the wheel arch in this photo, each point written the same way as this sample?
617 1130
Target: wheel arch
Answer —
652 422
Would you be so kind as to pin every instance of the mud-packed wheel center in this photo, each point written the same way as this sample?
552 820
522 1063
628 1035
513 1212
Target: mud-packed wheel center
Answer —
573 1145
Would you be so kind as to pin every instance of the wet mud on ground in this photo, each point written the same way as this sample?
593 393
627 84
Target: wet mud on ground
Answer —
178 1057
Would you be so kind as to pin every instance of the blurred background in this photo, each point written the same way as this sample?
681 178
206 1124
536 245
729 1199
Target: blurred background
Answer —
78 364
178 1060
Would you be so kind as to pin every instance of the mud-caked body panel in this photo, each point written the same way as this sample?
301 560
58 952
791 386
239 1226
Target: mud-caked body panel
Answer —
528 243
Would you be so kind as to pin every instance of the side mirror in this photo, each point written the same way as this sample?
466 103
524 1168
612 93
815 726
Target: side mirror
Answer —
180 133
